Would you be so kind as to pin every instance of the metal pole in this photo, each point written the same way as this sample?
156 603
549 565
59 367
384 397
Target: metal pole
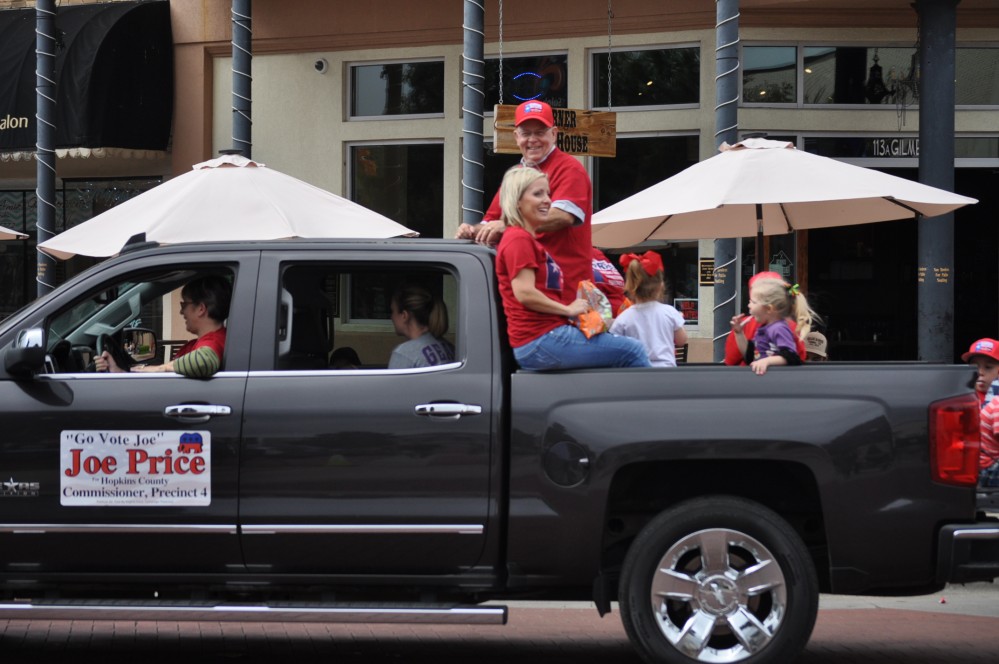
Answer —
726 129
242 56
935 286
472 102
45 168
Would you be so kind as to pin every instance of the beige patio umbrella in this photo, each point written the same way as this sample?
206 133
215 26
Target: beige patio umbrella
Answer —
228 198
11 234
765 187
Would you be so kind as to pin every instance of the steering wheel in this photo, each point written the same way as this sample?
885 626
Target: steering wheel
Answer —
105 342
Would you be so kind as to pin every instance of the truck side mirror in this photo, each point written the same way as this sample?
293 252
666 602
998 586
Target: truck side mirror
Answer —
26 356
140 343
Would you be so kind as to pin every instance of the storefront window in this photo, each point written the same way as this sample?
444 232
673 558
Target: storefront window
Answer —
652 77
858 75
769 74
977 74
408 88
16 256
496 165
541 77
641 162
402 182
680 269
976 147
76 202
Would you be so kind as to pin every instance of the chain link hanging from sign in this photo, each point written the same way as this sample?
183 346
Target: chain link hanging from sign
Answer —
610 46
501 52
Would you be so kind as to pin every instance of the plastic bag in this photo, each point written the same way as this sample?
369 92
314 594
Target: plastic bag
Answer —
600 316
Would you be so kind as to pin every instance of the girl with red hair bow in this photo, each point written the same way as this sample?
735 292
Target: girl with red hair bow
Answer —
657 325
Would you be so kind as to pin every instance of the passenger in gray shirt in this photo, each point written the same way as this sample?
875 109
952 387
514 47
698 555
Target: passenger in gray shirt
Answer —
421 318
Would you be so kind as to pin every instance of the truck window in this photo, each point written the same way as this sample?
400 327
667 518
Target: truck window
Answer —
139 313
334 316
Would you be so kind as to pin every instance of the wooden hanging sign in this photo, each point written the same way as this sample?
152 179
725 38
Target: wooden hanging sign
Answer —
583 133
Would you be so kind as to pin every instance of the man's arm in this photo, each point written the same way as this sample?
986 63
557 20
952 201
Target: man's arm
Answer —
557 220
489 231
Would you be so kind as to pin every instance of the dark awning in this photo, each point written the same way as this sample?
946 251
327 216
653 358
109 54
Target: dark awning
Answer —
114 76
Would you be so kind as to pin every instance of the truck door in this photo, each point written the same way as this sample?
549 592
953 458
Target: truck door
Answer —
124 472
352 467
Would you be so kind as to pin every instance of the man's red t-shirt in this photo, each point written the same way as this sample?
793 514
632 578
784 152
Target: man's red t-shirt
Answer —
517 251
570 247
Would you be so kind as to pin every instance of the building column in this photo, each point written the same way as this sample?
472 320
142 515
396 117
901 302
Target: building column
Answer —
45 110
935 267
727 69
473 94
242 78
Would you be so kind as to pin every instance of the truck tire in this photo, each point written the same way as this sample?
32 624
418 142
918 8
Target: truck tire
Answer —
718 579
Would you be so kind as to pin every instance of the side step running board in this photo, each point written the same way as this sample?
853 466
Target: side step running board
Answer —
271 612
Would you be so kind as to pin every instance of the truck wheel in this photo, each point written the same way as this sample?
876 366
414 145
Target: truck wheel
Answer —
718 580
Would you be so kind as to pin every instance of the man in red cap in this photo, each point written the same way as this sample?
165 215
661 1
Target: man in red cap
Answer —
734 353
566 234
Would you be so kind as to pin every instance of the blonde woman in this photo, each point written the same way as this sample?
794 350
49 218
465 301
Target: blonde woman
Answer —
530 283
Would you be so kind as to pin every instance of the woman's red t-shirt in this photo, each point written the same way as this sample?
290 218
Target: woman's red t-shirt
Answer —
518 250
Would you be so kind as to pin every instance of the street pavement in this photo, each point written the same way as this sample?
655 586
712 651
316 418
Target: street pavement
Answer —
959 624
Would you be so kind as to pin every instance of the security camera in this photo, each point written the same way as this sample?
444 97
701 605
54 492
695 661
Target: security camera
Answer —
321 65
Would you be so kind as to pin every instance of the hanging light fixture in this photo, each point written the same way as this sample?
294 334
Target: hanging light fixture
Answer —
875 89
904 86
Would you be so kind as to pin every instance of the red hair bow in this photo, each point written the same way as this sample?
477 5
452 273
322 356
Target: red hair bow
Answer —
651 262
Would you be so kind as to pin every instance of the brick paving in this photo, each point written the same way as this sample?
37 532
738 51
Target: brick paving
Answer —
533 635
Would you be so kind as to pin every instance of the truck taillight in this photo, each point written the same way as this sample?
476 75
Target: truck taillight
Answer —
954 440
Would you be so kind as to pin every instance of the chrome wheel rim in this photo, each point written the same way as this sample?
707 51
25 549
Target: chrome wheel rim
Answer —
719 595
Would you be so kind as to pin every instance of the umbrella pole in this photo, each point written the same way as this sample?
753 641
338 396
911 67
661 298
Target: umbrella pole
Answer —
760 264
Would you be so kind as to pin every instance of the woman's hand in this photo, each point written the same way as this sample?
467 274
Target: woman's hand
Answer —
528 295
577 307
104 363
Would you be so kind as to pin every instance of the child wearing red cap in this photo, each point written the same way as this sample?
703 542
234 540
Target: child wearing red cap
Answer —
984 356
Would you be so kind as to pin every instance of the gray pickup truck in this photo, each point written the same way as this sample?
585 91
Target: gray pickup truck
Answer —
712 504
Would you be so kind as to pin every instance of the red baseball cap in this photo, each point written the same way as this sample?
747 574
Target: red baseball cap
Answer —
765 275
535 110
986 347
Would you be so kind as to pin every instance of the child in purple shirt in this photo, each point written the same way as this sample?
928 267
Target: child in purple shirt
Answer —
771 301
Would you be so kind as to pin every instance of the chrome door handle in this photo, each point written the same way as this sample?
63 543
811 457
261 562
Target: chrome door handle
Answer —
447 411
192 412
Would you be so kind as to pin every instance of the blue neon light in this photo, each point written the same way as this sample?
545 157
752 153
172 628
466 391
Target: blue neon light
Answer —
527 73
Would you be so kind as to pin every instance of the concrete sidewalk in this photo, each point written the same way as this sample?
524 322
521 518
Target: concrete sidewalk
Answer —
974 599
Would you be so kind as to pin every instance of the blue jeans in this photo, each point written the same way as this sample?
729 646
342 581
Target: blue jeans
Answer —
988 478
566 347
